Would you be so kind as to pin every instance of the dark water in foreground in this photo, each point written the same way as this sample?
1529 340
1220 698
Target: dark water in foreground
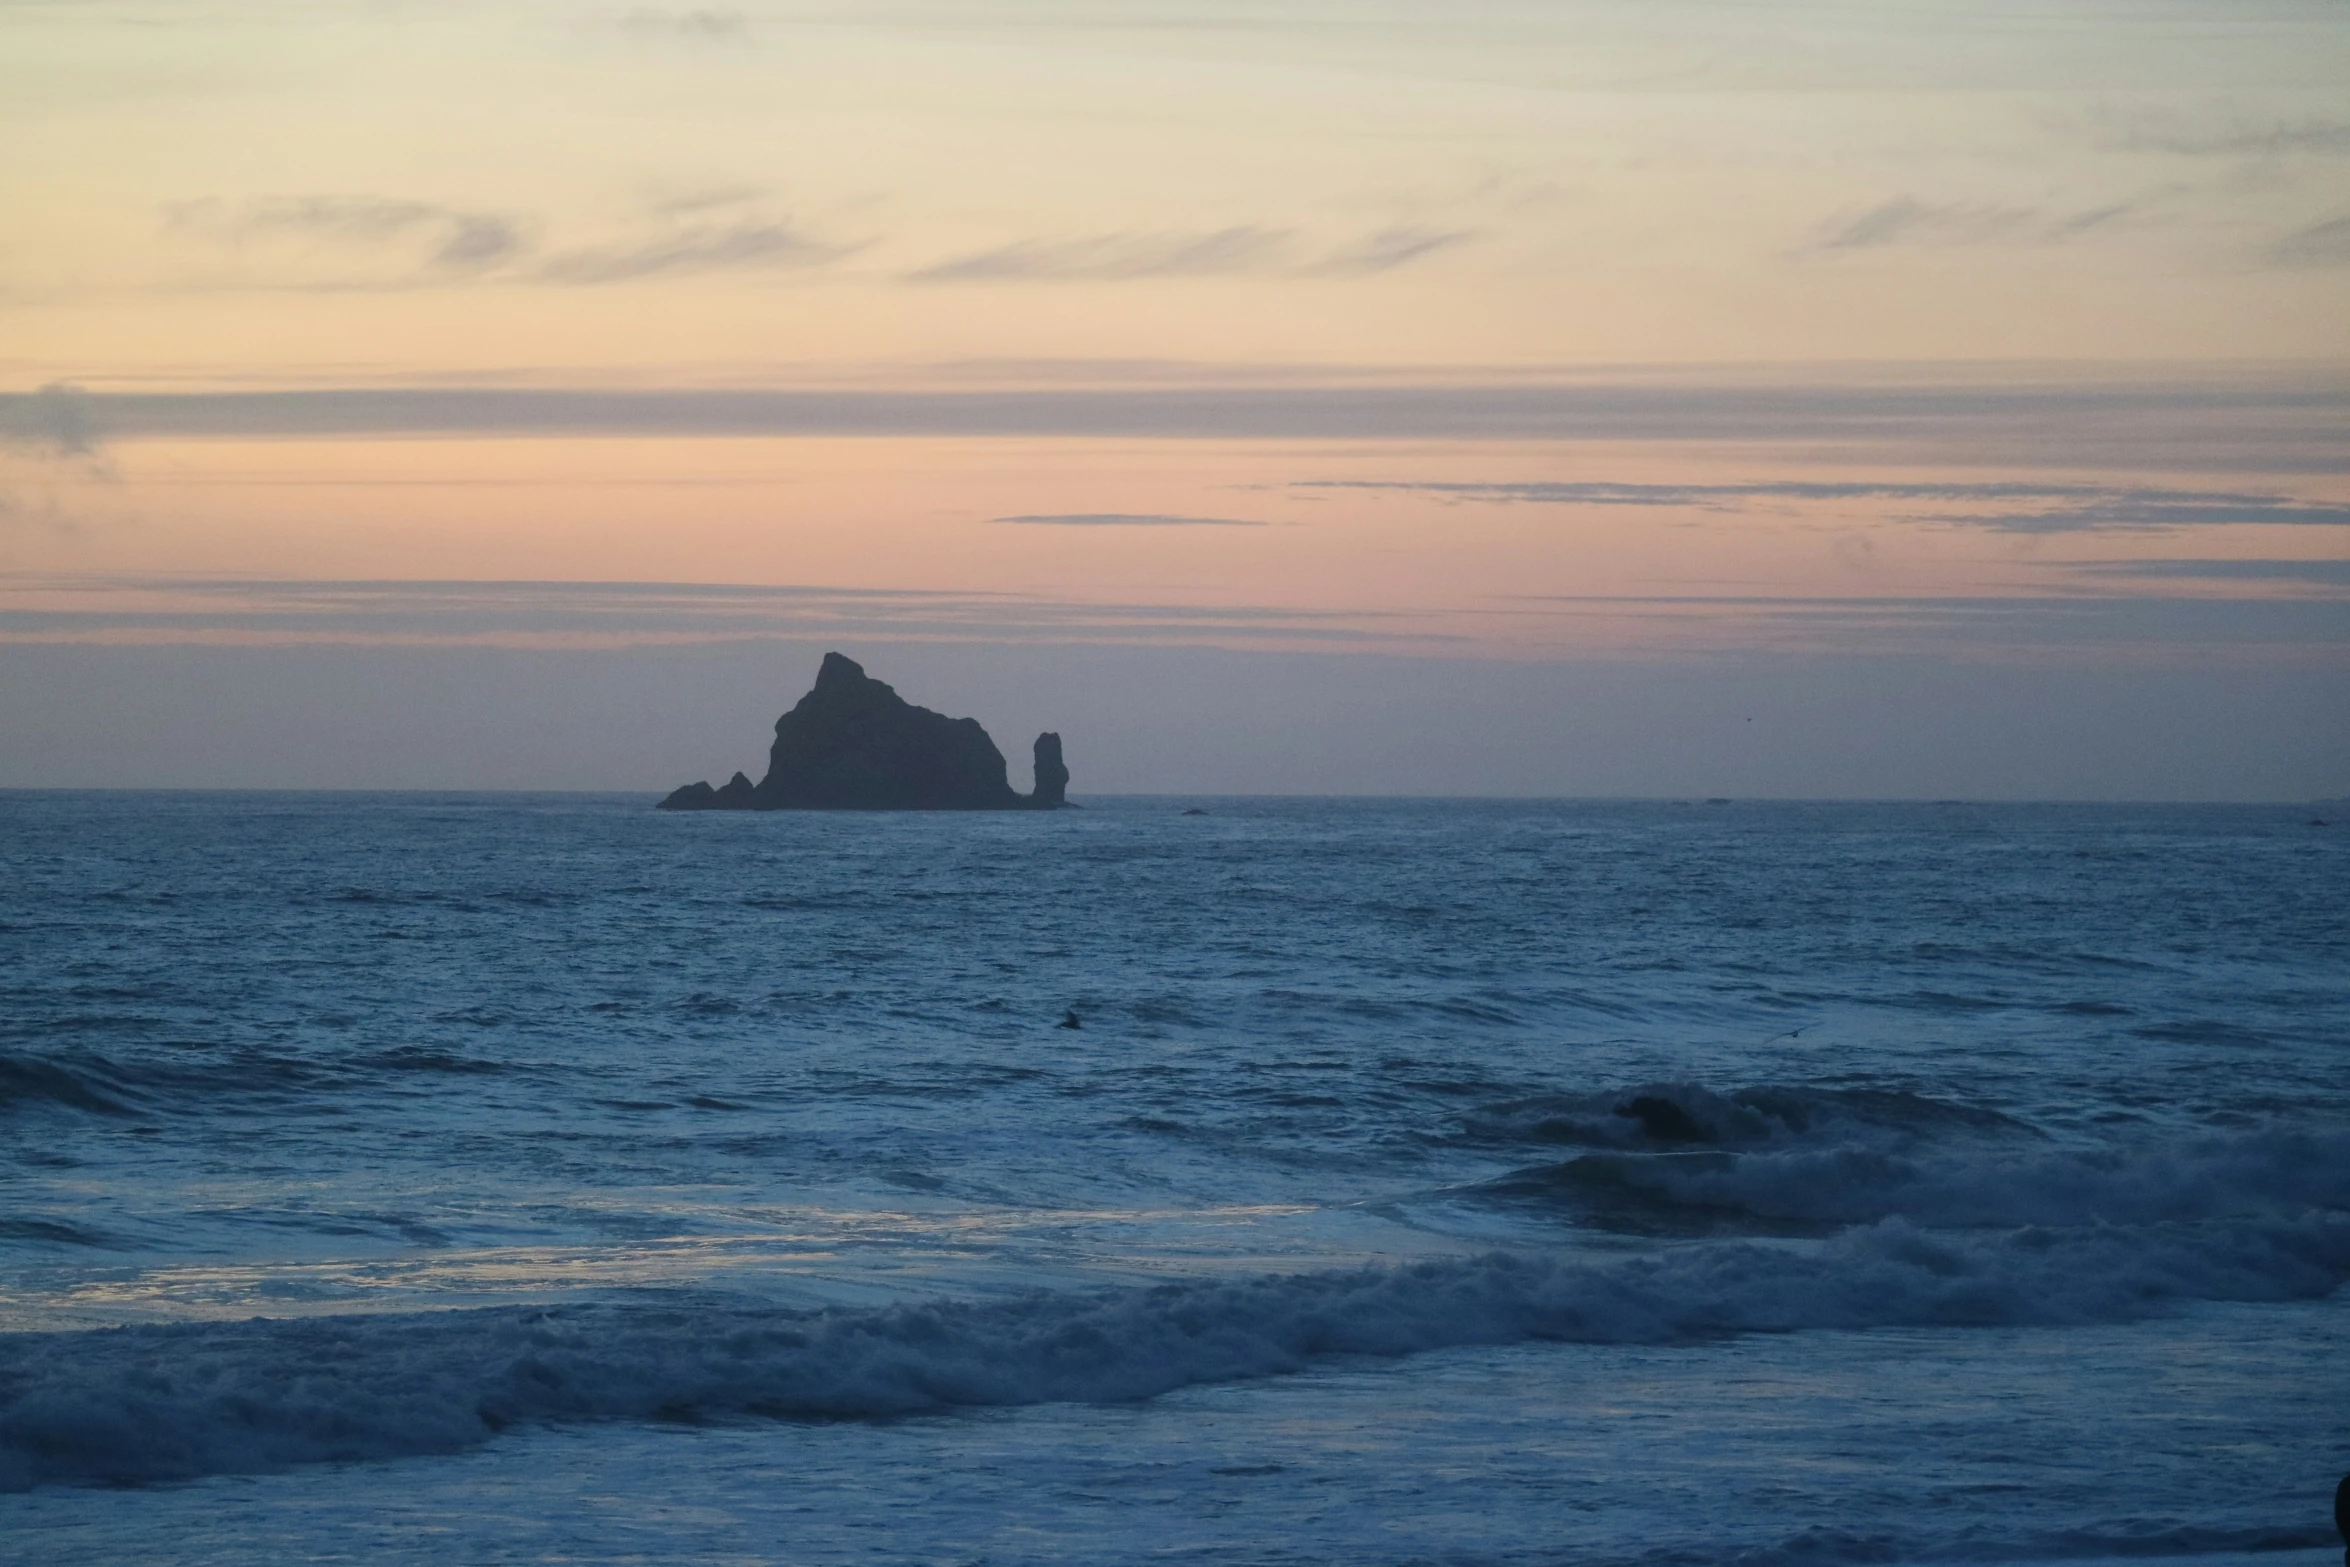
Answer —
434 1178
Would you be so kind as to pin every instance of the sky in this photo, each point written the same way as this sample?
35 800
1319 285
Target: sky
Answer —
1535 397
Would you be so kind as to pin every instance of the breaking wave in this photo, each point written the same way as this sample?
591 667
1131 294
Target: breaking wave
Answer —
2274 1172
161 1402
1681 1114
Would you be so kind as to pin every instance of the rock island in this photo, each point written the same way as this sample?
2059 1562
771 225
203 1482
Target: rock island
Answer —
854 744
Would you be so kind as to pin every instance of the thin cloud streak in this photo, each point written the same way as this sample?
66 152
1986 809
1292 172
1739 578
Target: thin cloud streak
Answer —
2314 573
387 244
1242 250
1388 250
1124 519
1114 258
2130 512
776 246
703 26
2091 508
456 239
2296 630
2282 138
1904 220
2319 245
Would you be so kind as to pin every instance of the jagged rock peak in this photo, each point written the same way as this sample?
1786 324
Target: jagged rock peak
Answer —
853 744
843 678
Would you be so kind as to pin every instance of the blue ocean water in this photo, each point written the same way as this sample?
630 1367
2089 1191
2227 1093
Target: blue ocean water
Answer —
517 1178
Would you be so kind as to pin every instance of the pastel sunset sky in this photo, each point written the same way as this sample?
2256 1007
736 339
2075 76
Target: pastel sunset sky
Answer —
1504 396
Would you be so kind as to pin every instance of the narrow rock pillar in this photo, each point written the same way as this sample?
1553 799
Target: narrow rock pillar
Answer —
1052 774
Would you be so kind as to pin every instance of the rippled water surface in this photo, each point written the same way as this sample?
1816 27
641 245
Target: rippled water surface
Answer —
544 1177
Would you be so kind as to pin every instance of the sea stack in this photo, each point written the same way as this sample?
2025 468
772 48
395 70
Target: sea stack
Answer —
1052 774
854 744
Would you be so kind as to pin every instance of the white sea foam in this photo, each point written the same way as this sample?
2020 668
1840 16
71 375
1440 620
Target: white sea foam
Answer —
157 1402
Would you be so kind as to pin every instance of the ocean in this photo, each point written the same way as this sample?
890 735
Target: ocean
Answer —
400 1178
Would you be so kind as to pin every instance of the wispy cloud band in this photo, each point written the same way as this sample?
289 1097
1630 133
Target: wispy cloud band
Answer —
1905 220
358 243
443 240
2282 427
164 610
153 611
728 247
1244 249
2319 245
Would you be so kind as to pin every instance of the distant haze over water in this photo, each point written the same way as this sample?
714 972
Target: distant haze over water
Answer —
1158 720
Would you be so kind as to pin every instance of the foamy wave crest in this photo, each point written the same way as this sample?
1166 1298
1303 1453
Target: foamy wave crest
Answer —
159 1402
2271 1172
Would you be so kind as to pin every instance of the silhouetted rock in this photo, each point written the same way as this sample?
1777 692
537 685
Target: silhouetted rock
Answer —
738 795
1052 774
853 744
691 797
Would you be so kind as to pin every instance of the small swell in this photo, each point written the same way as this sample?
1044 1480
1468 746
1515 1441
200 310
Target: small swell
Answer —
1831 1547
2202 1031
151 1084
422 1058
51 1232
27 1081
